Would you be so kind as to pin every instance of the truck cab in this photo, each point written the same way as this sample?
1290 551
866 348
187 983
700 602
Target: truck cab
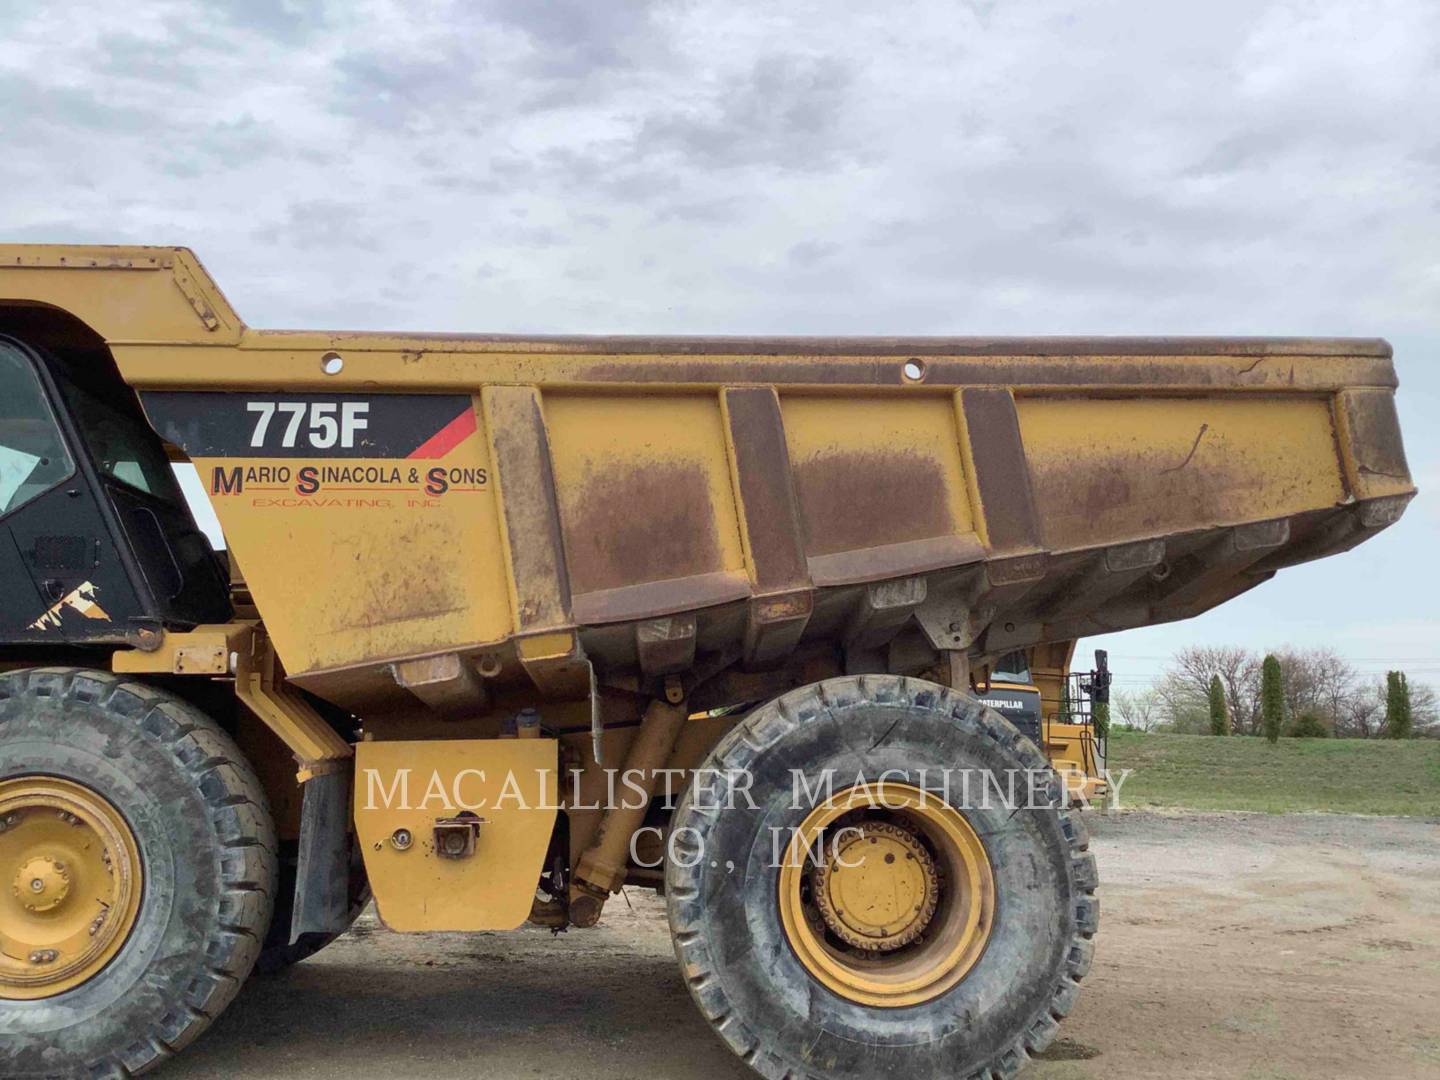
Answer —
96 540
1009 690
1063 713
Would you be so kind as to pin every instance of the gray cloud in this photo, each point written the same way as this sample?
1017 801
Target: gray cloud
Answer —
32 107
810 252
381 89
1238 152
785 111
284 22
321 224
706 211
127 56
574 38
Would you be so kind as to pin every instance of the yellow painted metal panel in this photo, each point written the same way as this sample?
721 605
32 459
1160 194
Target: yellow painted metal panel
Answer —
643 483
124 293
205 650
872 471
513 784
419 363
371 566
1113 469
1370 445
1075 755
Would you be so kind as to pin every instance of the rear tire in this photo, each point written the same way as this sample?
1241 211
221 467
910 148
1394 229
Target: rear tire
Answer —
756 980
206 847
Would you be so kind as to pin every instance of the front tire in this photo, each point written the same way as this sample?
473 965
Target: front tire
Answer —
919 978
204 858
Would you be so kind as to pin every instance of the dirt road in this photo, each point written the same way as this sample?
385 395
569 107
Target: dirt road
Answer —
1234 946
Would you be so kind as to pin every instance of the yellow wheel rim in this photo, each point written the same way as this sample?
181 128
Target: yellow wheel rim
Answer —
886 895
70 884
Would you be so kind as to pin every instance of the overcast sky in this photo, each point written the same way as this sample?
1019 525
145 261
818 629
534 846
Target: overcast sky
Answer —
911 168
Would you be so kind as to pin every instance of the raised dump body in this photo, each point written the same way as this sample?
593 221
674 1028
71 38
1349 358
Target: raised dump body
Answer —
541 489
668 498
500 567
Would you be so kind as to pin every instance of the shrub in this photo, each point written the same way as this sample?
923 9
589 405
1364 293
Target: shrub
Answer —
1219 714
1399 722
1272 698
1308 726
1100 718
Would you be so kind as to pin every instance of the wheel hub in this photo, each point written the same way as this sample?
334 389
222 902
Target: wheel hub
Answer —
42 884
886 895
878 889
75 883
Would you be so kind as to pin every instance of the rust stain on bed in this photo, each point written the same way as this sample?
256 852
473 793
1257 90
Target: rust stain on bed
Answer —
850 501
648 522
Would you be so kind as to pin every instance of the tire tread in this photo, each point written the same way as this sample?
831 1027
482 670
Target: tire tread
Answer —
766 726
206 756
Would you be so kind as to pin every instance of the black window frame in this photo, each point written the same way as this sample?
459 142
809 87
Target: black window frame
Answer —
29 359
1003 674
76 398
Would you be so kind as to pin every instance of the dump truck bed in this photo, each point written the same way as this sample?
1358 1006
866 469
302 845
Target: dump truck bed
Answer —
542 507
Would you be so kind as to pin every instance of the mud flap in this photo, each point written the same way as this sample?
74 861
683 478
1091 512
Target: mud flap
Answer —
322 878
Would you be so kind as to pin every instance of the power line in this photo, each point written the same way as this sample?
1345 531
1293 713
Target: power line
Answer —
1427 660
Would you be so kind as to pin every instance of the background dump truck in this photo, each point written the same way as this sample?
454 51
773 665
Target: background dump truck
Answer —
1055 708
471 580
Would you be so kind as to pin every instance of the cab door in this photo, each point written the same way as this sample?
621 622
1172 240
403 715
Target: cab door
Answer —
62 575
175 571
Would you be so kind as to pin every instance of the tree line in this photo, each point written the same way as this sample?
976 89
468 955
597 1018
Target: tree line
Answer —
1222 690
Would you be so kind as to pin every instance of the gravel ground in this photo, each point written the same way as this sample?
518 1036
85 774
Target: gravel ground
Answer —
1231 945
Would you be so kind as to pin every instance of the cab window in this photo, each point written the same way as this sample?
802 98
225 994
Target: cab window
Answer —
123 449
33 458
1011 668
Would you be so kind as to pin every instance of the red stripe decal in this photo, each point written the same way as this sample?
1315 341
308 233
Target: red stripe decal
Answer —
448 437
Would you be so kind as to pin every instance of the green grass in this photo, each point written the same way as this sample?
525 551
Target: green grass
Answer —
1343 776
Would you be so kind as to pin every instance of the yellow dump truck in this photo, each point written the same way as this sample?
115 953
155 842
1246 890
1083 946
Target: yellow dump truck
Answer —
505 624
1056 709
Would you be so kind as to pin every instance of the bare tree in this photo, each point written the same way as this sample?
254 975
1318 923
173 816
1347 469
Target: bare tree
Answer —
1182 708
1140 710
1362 714
1317 681
1188 684
1425 704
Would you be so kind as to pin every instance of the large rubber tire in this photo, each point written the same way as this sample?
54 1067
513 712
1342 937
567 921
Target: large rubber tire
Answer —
207 849
741 969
